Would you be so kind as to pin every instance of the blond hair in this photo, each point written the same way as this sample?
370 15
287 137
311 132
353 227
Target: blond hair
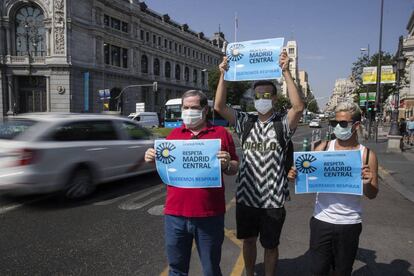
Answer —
350 107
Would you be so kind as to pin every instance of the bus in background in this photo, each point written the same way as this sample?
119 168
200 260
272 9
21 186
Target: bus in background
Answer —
172 116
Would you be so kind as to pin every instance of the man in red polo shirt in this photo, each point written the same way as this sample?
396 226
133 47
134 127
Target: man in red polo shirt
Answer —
197 213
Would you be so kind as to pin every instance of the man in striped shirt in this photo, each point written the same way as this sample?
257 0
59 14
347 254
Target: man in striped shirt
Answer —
262 183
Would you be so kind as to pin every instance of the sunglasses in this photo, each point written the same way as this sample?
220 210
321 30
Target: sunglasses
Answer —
343 124
266 96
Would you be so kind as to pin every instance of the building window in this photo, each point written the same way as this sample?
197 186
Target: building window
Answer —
177 72
170 45
195 76
159 41
291 51
165 43
185 50
156 67
203 78
179 48
175 47
115 24
144 64
124 58
116 55
30 31
124 27
106 20
106 54
167 69
147 37
186 74
154 39
142 34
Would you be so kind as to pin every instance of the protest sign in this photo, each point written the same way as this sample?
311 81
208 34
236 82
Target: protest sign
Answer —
329 172
254 60
189 163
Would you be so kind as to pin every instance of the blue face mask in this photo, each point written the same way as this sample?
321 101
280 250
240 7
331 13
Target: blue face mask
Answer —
343 133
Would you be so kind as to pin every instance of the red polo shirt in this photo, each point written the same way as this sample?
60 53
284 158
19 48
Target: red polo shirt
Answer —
199 202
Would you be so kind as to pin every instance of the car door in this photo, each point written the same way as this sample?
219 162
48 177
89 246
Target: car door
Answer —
136 140
95 142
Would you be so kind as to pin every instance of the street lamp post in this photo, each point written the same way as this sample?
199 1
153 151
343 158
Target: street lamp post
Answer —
399 68
378 90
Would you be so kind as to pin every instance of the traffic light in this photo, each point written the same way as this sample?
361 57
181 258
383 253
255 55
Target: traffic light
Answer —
155 86
371 106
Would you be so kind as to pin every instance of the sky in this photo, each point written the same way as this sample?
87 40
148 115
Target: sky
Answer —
329 33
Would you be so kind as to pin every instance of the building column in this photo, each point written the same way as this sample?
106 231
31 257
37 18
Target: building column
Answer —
10 94
48 100
8 37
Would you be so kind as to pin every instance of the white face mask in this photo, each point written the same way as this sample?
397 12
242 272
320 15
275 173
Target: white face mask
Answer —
343 133
263 105
192 117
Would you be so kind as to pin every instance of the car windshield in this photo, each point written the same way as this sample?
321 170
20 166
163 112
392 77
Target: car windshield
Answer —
11 129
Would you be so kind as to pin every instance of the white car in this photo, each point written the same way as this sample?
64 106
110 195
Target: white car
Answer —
145 119
315 123
47 152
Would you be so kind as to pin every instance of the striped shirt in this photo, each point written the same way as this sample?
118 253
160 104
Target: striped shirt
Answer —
261 180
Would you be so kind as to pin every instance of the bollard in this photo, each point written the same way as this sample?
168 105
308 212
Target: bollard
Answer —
328 136
305 146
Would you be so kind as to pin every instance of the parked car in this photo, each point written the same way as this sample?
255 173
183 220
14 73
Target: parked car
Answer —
145 119
315 123
47 152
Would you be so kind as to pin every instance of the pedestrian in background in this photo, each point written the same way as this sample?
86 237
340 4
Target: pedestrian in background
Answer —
410 130
262 181
337 218
197 213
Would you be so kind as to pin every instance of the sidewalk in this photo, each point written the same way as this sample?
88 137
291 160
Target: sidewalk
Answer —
395 168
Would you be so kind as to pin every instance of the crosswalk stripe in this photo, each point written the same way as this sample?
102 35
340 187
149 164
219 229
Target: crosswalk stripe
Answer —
142 195
132 203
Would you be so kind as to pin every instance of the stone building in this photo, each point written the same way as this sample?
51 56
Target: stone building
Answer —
406 52
55 55
292 51
343 91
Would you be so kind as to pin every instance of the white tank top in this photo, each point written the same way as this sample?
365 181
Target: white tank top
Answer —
338 208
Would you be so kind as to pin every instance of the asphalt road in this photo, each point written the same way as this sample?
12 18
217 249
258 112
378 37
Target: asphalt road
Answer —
117 231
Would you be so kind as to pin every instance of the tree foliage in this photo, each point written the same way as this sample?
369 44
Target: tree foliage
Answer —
235 90
372 61
282 103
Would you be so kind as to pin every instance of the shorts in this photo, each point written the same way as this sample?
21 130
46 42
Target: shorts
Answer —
410 132
252 222
333 246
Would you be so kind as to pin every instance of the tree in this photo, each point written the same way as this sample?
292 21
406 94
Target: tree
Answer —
372 61
282 103
235 89
313 106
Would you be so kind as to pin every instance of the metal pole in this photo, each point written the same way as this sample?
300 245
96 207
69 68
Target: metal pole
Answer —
378 92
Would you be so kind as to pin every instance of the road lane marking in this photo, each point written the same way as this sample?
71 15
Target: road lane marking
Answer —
132 203
113 200
9 208
110 201
238 266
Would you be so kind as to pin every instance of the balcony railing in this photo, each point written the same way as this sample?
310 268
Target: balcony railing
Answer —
24 60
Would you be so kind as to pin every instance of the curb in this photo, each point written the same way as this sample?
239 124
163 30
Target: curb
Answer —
390 181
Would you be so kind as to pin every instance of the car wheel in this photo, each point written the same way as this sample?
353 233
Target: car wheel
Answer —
80 184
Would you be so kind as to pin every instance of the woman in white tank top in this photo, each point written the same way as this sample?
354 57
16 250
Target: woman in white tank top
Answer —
336 223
